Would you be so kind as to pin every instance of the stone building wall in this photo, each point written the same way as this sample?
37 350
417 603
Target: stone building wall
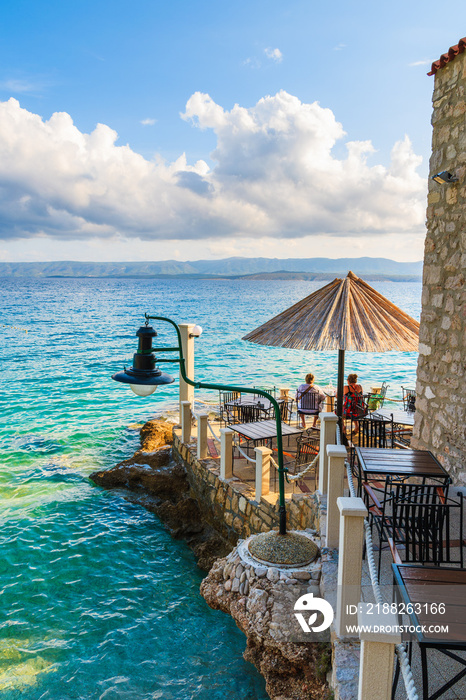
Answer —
230 506
440 423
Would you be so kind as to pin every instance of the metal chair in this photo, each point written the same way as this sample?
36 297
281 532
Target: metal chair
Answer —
409 399
375 401
374 431
228 414
416 516
270 390
307 448
426 529
286 410
254 413
309 404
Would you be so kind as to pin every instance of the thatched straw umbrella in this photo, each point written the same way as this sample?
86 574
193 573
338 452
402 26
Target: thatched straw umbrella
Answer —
344 315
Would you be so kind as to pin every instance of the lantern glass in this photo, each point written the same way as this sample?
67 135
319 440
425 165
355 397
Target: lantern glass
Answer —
143 389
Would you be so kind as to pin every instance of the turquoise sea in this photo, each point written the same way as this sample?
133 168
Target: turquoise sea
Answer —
96 600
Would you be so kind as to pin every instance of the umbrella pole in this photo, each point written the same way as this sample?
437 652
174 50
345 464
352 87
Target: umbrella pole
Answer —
340 383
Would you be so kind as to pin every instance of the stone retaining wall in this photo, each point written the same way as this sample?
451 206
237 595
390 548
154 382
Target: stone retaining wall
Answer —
441 404
229 505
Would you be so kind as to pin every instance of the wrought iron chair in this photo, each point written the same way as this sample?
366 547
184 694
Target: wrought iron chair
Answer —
409 399
426 538
307 449
309 404
416 516
374 431
254 413
286 410
272 390
228 414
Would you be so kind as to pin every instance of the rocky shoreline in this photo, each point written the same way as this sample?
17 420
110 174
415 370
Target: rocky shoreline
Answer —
259 599
154 480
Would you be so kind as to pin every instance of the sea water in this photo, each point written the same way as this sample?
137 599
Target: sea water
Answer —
97 600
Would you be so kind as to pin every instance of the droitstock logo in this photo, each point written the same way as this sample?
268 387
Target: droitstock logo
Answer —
307 603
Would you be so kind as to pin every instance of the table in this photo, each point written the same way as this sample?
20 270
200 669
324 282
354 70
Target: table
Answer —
422 463
263 430
428 586
400 417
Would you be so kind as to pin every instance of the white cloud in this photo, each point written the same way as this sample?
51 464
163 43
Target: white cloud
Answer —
275 54
275 178
148 122
339 47
22 85
419 63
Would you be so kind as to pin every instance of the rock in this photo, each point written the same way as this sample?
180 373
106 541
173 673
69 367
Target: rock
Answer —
260 571
159 484
235 585
242 578
241 589
239 571
291 581
227 585
154 434
257 602
149 476
246 587
302 575
273 574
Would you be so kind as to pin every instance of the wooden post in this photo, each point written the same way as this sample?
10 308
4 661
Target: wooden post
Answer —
202 435
226 453
352 514
262 472
186 418
187 345
328 432
377 653
336 483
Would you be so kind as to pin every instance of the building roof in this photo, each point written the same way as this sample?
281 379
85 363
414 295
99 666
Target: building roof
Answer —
445 58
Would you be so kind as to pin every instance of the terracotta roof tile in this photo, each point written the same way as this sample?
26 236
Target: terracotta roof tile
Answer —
445 58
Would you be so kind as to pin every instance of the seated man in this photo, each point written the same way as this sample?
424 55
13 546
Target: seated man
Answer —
309 398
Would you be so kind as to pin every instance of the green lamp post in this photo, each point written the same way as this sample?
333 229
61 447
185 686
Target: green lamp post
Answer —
144 377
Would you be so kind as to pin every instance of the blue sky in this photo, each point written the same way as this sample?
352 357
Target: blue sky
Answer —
273 176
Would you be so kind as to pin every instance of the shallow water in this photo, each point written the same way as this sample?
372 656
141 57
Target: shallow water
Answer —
97 600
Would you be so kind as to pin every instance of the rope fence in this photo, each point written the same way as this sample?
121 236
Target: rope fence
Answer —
243 454
294 477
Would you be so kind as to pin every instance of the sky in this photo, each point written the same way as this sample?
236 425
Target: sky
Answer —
151 130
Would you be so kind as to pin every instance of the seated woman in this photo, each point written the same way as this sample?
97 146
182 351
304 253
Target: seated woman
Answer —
308 398
354 406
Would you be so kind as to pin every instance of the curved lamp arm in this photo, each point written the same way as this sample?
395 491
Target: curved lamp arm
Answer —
239 389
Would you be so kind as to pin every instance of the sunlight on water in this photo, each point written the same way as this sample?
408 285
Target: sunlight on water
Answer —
98 601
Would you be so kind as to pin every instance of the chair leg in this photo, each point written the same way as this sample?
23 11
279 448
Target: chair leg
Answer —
396 677
425 675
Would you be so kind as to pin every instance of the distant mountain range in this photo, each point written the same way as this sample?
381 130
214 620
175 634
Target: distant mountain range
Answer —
252 268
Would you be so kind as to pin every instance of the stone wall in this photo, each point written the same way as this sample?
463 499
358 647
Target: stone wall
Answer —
229 506
441 404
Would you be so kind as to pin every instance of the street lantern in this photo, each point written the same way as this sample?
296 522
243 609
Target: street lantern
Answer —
144 377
